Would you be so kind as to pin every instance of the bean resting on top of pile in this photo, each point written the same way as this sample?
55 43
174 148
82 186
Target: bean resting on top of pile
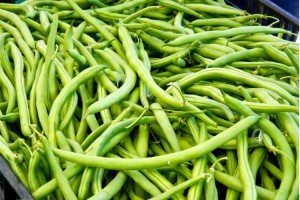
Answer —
139 99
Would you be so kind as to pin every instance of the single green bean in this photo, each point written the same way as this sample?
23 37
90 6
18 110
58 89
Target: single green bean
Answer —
6 64
208 35
292 57
212 9
277 55
237 56
164 123
20 90
246 176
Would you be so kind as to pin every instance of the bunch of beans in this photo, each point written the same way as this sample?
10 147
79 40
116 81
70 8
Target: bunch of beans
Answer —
139 99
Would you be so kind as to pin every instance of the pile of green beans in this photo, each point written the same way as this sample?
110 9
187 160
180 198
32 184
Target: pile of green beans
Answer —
139 99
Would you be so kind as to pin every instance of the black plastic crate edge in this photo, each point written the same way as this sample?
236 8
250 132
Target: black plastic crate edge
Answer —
14 181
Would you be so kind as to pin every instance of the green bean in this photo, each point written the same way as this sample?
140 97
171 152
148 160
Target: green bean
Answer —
108 15
97 180
173 158
162 34
59 5
276 55
284 118
195 191
276 135
97 3
271 108
42 86
232 194
119 94
142 140
49 187
4 131
235 183
62 97
87 176
95 134
237 56
52 84
246 176
159 24
295 190
63 74
9 86
208 35
26 10
97 149
212 9
61 179
7 67
24 47
20 90
140 13
282 84
44 20
209 103
19 170
158 44
177 188
114 65
209 91
213 22
10 117
124 6
31 72
77 57
173 78
94 22
264 64
113 187
33 167
91 61
256 159
22 26
266 180
131 193
179 7
158 63
294 60
154 176
231 74
140 179
63 143
105 114
164 123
